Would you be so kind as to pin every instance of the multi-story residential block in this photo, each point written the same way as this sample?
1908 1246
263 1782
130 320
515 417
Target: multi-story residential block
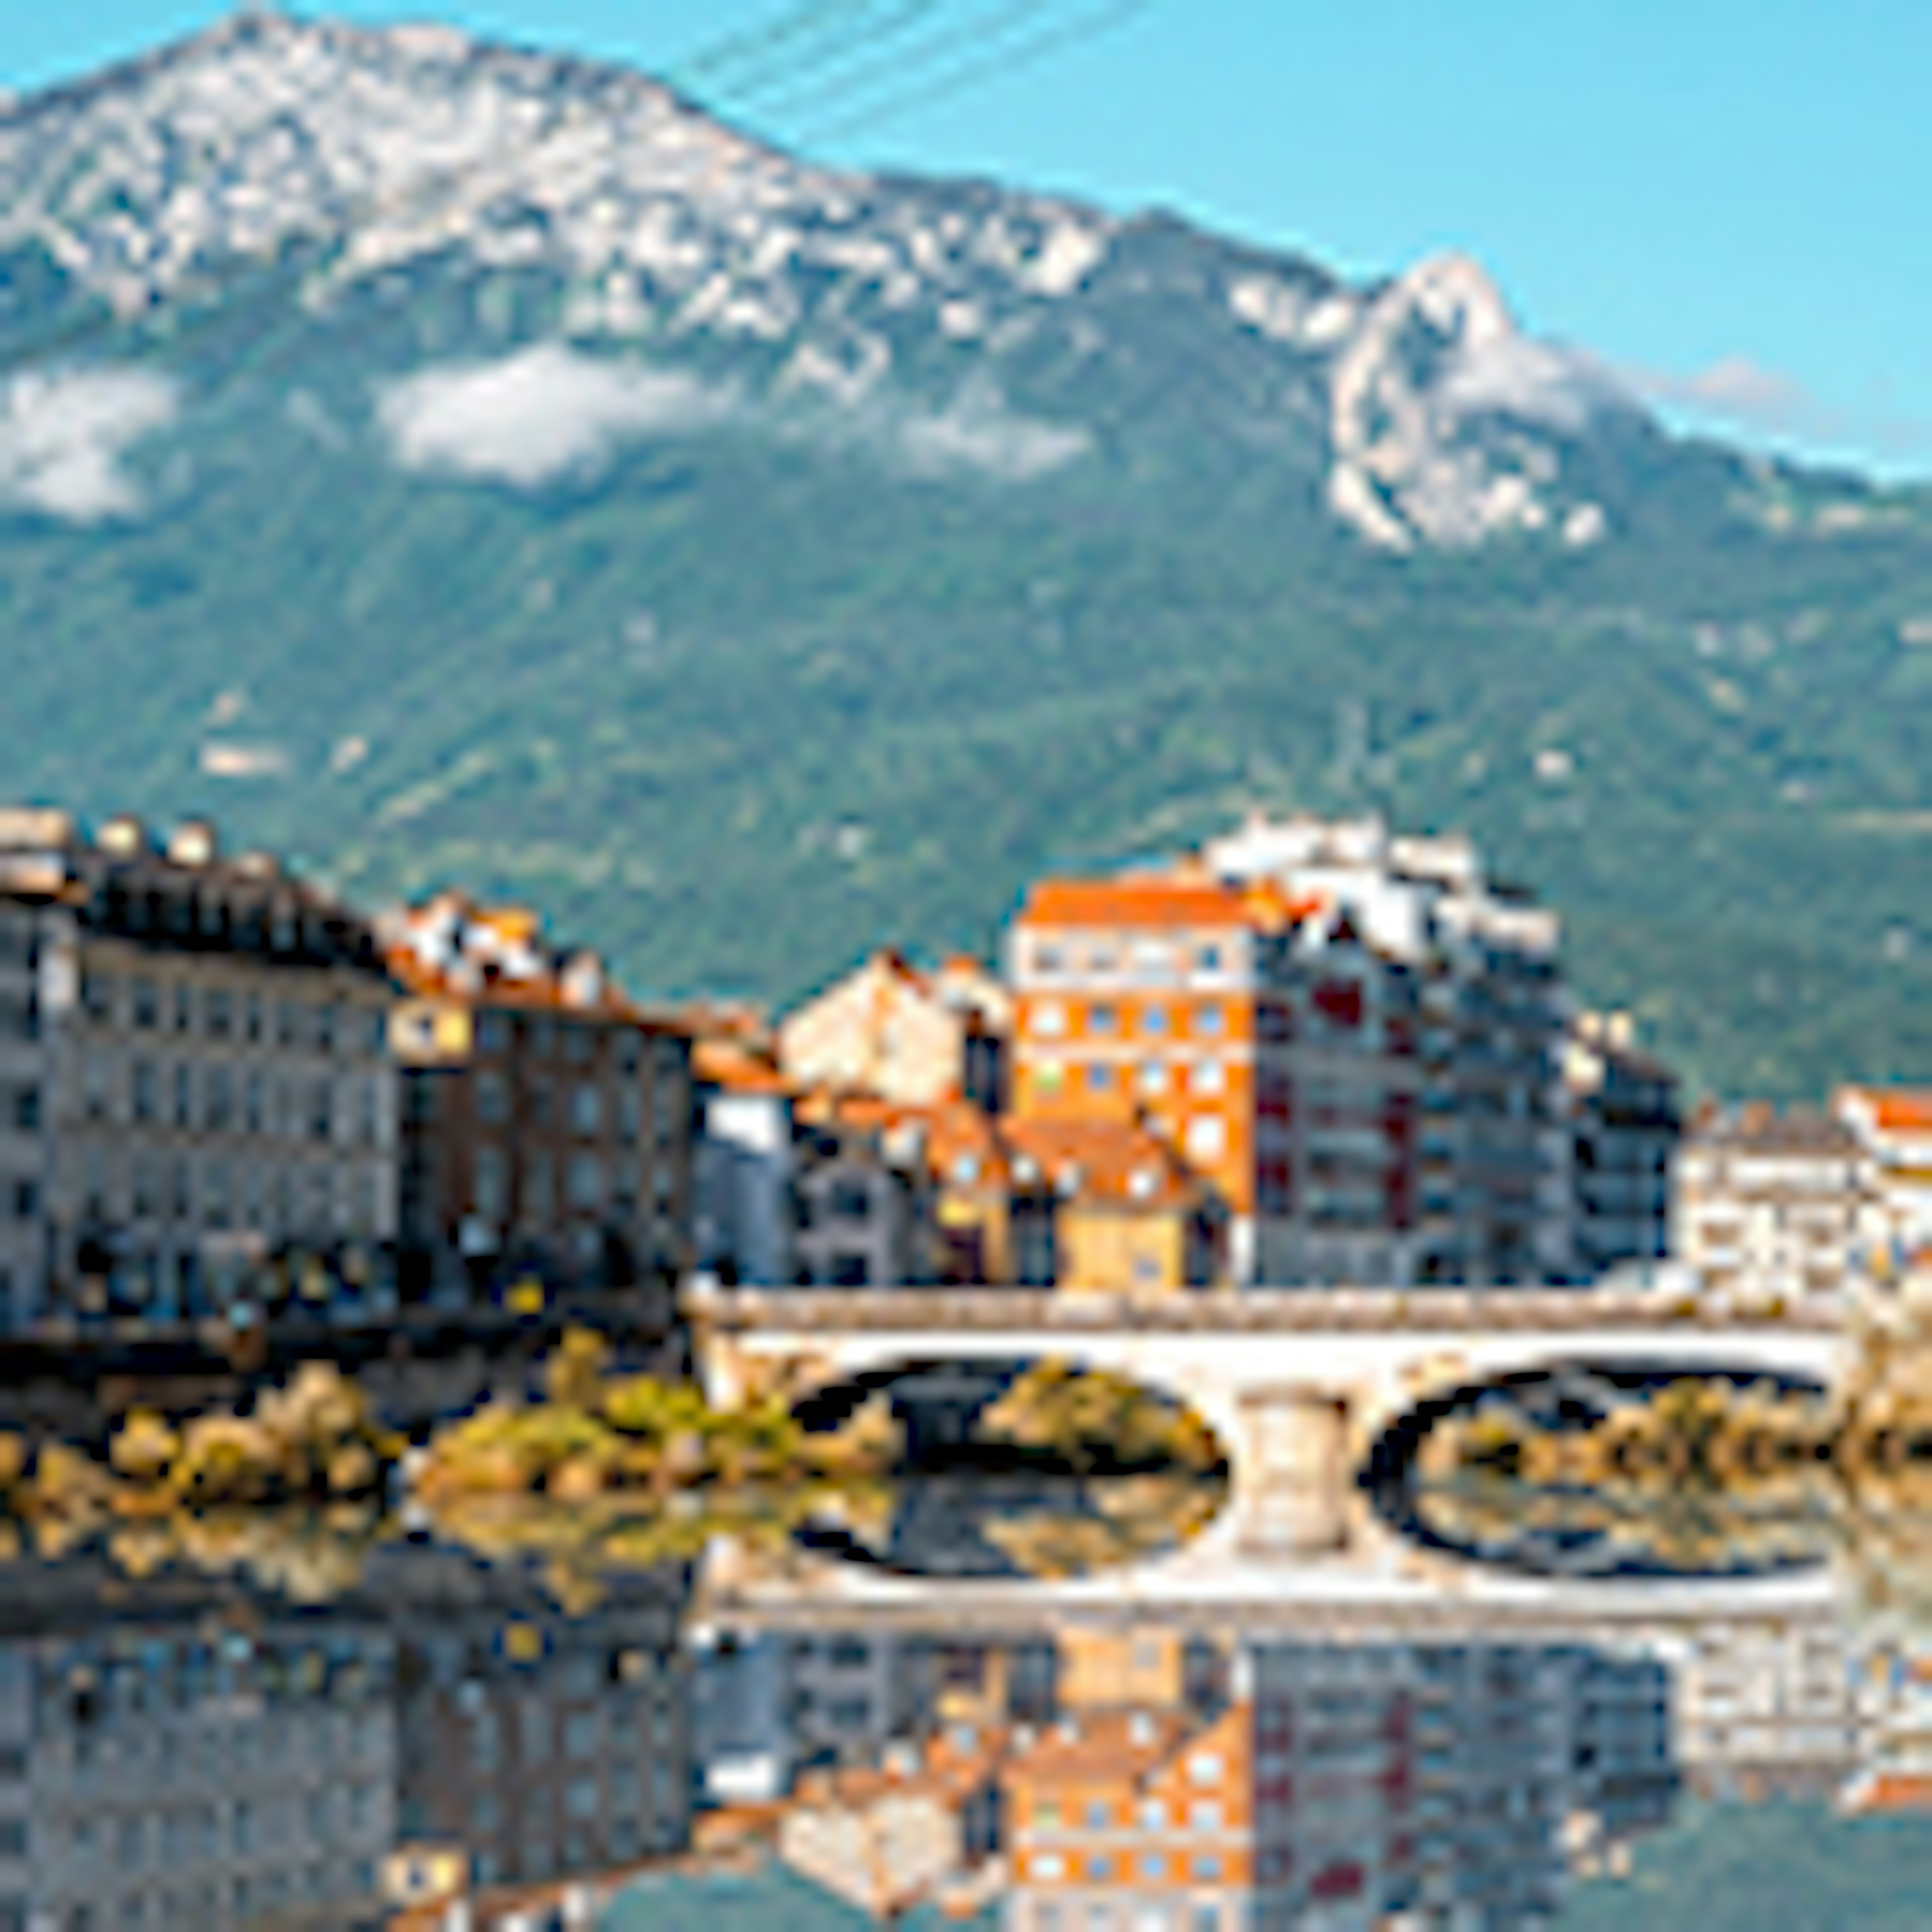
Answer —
194 1078
1625 1126
1258 1035
1476 963
1772 1205
905 1034
1894 1126
547 1120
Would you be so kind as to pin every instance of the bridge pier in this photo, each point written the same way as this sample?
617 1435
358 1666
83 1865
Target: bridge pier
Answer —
1292 1471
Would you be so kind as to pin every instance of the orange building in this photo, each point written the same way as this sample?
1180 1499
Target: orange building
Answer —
1121 1811
1256 1034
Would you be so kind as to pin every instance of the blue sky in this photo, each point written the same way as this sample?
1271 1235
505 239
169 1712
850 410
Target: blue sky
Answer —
1727 200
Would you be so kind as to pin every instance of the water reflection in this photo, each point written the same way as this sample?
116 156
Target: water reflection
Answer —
452 1742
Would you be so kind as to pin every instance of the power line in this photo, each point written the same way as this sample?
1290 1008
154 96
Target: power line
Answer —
968 74
906 60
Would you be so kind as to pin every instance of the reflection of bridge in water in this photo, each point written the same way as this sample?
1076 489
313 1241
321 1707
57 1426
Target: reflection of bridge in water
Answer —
1300 1385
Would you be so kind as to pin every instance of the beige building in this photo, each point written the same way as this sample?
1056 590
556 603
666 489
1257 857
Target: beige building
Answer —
905 1035
1771 1205
196 1078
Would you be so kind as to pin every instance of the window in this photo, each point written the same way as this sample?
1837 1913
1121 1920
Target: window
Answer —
94 1085
147 1003
492 1190
1100 1076
538 1195
97 996
1208 958
288 1024
325 1028
25 1108
1209 1019
1102 1017
251 1022
1205 1815
587 1107
219 1099
184 1007
585 1182
1207 1868
1207 1138
1209 1076
184 1096
1205 1768
221 1012
493 1034
1049 1019
850 1271
579 1046
1153 1019
1099 1814
1153 1077
252 1101
492 1098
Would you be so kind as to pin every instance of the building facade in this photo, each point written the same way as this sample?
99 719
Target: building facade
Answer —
546 1122
1625 1126
903 1034
1772 1205
1484 1139
196 1078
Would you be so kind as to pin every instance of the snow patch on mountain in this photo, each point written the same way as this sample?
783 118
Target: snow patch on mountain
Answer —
64 434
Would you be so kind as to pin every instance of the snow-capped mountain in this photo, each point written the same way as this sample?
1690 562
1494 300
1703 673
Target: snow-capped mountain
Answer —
631 267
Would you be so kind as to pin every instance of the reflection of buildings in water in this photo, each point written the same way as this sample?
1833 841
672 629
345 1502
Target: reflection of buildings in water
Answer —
545 1745
768 1706
193 1777
1346 1783
1765 1708
1894 1689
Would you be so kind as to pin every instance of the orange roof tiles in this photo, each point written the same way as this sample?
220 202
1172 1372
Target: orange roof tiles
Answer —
1895 1110
1102 1161
1161 900
735 1068
1891 1791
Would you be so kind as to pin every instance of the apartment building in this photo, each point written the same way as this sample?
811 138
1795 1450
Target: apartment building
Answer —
1625 1126
547 1121
194 1079
1476 963
905 1034
1771 1204
1257 1034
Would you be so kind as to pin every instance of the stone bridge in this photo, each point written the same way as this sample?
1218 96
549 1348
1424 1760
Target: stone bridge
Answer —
1300 1384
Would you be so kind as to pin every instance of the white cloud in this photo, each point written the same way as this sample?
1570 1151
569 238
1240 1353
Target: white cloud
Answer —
1535 382
977 432
1734 388
63 433
544 412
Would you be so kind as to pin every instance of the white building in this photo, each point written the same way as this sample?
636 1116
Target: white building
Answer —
1894 1126
1493 1145
1776 1206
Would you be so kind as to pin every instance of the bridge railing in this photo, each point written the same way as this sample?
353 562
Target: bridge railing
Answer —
939 1310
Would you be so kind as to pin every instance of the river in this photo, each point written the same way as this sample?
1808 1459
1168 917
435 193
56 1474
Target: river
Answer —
1052 1708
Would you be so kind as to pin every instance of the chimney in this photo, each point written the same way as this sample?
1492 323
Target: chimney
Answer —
194 843
124 836
581 981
